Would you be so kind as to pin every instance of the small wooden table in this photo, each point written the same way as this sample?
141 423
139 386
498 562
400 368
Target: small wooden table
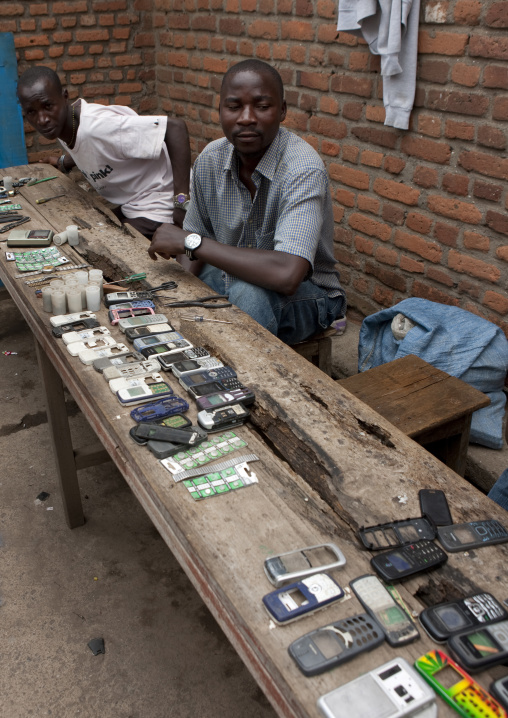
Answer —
427 404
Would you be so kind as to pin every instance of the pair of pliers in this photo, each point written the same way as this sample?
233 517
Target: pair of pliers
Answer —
211 302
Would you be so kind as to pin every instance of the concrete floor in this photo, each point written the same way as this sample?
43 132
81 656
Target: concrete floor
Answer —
113 578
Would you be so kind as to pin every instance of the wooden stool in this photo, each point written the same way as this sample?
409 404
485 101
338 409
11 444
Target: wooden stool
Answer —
430 406
318 349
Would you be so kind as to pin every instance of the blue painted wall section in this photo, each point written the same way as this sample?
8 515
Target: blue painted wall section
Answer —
12 136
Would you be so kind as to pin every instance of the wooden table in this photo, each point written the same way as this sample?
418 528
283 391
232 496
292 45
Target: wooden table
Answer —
328 463
427 404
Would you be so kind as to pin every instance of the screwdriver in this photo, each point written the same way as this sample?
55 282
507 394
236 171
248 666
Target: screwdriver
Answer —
47 199
38 181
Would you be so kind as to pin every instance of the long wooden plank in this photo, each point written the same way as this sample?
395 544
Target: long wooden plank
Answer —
328 464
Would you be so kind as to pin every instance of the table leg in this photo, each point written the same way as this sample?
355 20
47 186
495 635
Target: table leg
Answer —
61 439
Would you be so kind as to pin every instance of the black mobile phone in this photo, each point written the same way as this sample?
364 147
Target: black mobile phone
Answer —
443 621
481 647
403 562
398 628
435 507
327 647
474 534
396 533
499 690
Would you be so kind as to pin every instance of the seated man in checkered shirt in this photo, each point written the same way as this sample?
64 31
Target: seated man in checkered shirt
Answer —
259 226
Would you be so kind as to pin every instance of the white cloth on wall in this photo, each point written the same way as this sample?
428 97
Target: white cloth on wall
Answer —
390 27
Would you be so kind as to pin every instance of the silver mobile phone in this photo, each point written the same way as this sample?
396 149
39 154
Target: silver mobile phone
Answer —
295 565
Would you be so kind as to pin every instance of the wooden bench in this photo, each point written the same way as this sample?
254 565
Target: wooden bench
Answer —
427 404
318 349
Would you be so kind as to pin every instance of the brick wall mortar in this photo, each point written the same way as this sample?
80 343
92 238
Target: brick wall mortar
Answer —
103 51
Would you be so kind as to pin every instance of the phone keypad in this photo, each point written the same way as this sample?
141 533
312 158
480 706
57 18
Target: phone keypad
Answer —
231 383
484 607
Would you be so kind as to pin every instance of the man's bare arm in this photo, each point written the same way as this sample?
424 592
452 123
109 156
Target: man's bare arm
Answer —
266 268
177 142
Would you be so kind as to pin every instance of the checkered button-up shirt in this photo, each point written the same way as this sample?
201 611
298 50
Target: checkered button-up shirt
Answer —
291 210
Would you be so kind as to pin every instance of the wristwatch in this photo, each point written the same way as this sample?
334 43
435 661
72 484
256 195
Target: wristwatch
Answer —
191 243
181 200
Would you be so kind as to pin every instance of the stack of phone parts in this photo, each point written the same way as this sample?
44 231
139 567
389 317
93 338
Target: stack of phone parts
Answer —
393 690
445 620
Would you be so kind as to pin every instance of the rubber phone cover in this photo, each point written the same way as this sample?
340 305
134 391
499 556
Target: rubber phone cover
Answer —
348 637
159 409
396 533
465 696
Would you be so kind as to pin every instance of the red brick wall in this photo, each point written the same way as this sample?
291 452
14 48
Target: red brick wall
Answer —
418 213
98 47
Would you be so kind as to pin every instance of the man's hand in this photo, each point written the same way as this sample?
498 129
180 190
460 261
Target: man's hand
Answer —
52 160
167 242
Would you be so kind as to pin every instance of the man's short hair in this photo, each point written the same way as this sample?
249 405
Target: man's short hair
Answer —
34 74
253 65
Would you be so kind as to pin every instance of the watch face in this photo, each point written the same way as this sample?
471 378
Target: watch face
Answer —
180 198
192 241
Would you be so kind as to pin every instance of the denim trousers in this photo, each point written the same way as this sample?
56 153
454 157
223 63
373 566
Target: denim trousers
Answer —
291 318
499 492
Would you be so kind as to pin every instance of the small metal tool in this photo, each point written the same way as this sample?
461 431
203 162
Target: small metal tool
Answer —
43 200
38 181
12 225
204 319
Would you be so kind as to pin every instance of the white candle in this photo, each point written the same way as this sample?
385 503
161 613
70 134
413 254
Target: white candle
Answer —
93 297
72 234
8 183
74 298
58 301
47 304
60 238
57 284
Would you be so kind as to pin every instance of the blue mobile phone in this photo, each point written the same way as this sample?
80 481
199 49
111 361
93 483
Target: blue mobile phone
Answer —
301 598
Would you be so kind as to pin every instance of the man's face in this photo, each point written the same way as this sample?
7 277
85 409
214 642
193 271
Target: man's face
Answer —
251 110
45 107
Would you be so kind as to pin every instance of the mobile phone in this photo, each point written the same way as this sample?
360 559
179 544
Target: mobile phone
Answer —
474 534
80 325
176 421
60 319
94 342
135 369
146 390
88 356
396 533
122 359
221 419
191 365
456 687
215 386
157 432
337 643
163 338
137 332
225 398
81 336
297 564
206 376
127 382
132 322
481 647
434 506
301 598
121 297
30 238
400 563
160 409
129 309
443 621
394 690
499 690
168 360
399 629
175 345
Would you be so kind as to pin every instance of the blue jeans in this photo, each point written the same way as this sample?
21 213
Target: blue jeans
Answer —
291 318
499 492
